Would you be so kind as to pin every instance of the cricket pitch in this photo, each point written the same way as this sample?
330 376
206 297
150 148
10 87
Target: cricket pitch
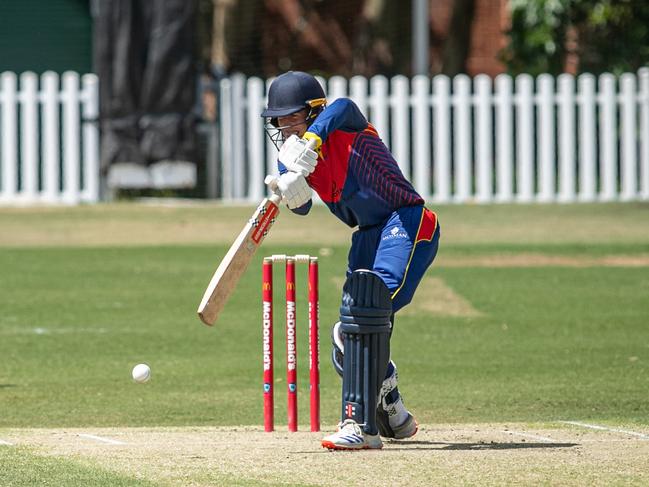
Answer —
452 454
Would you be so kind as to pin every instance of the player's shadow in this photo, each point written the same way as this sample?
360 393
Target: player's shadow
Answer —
494 445
5 386
401 445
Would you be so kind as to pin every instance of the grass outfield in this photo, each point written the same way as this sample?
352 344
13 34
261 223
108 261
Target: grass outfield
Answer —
532 314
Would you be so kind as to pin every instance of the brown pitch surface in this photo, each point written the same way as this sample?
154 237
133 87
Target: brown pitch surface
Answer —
451 454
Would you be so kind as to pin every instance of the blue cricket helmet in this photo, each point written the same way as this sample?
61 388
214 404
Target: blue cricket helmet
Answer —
291 92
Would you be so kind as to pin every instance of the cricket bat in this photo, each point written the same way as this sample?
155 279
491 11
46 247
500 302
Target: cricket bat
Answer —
236 261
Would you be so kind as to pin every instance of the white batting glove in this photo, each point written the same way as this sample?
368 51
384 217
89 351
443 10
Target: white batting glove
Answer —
297 156
294 189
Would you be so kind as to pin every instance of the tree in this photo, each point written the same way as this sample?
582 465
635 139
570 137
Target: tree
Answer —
608 35
536 36
613 35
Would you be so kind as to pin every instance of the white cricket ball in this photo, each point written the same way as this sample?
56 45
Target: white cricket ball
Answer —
141 373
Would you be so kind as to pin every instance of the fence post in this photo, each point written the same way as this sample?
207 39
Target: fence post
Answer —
566 133
337 88
28 100
238 162
504 139
9 136
400 136
545 139
462 137
358 92
71 139
628 113
525 137
271 150
225 118
255 139
50 128
587 157
484 134
90 130
607 138
643 76
379 104
442 138
421 134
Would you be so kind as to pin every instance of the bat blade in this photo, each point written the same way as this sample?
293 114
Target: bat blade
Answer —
236 261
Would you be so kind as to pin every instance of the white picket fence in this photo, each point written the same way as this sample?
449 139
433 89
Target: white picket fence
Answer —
463 139
49 139
520 139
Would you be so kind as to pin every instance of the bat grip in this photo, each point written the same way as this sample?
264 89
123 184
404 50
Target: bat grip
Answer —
271 181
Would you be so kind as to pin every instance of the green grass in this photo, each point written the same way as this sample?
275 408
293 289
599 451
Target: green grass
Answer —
207 223
77 320
555 343
550 343
22 467
555 249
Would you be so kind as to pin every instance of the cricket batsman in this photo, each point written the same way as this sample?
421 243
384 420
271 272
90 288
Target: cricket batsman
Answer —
356 176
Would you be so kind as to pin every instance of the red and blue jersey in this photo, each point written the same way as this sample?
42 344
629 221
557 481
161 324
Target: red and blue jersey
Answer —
356 175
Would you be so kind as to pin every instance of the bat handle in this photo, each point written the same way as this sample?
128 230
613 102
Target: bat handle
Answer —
271 182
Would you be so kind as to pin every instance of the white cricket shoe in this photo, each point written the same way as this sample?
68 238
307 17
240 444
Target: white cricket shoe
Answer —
350 436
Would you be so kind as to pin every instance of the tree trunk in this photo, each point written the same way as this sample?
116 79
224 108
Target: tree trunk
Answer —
458 39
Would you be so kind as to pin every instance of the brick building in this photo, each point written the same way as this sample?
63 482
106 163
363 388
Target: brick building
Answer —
490 22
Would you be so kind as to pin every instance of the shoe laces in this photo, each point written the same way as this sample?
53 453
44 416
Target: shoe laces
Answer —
350 424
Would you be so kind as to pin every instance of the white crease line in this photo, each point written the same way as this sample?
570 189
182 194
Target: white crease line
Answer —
606 440
102 440
603 428
528 435
6 443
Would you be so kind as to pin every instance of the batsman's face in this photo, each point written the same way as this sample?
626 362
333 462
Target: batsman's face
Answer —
293 124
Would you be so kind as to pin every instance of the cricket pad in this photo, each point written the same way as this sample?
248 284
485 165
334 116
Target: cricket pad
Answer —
365 325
